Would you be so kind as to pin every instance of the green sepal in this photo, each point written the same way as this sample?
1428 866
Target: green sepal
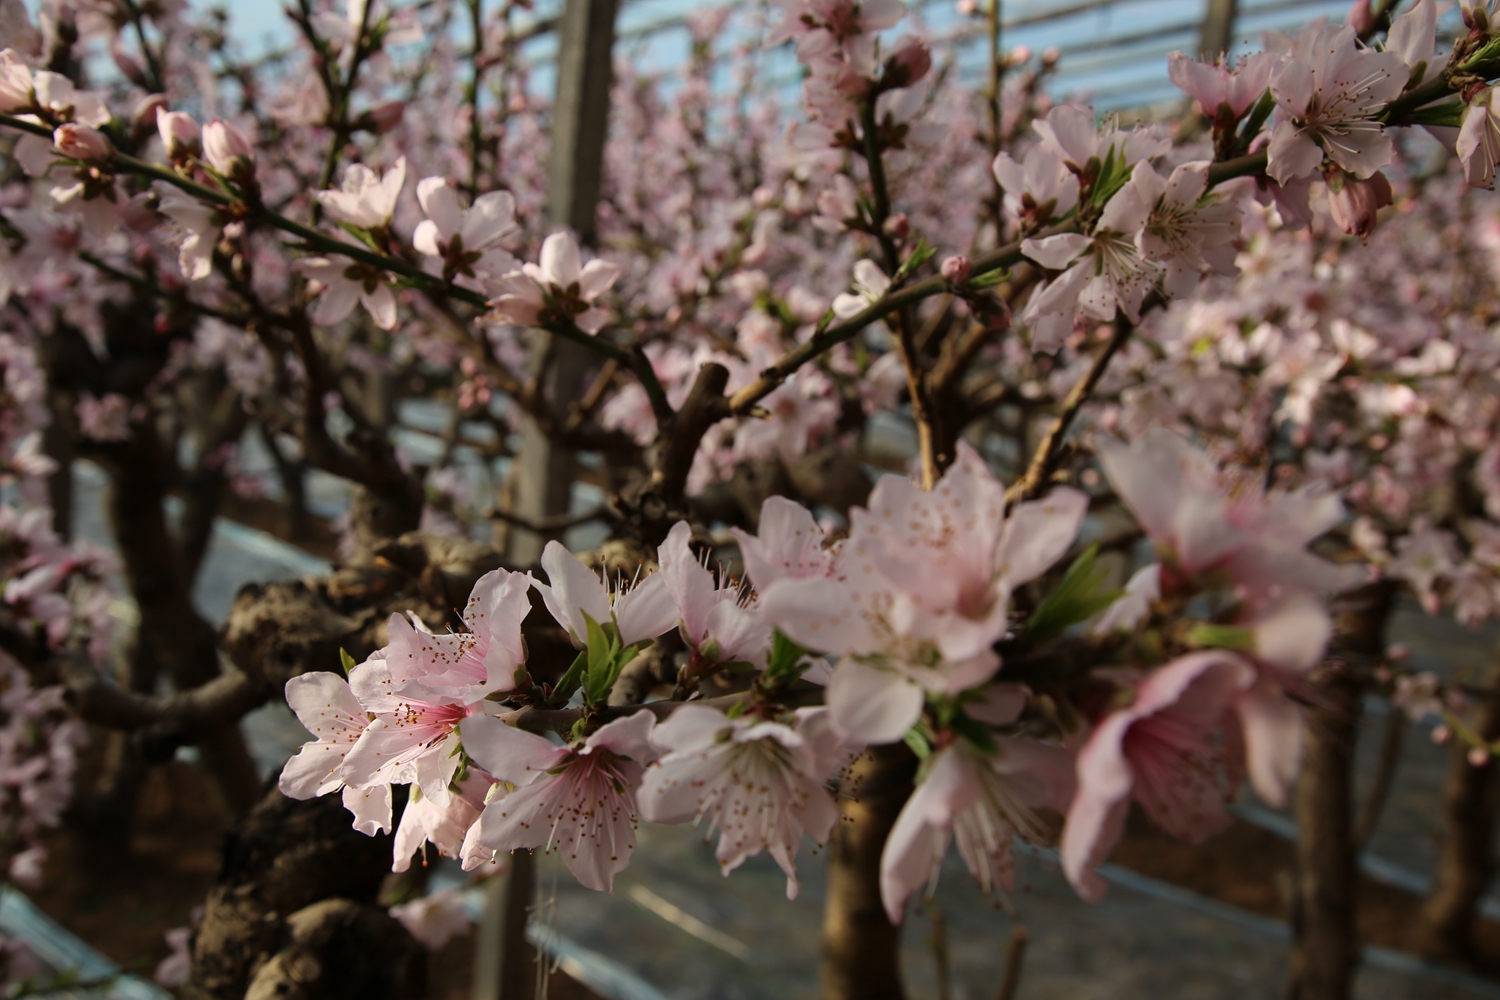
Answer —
982 281
920 255
1077 597
1211 636
346 661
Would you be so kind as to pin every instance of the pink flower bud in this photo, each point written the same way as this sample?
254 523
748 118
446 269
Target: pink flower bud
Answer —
957 268
1355 203
1018 55
966 8
81 142
130 67
1479 756
898 226
180 135
1359 17
909 62
387 115
1050 55
228 150
1441 734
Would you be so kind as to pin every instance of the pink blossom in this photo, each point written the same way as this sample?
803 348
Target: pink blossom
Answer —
1038 189
412 737
1355 204
1102 273
81 142
556 290
104 419
1189 231
1161 750
327 708
470 665
57 94
181 137
759 783
579 801
984 800
1329 91
439 815
200 227
15 82
713 619
366 200
468 242
789 545
1216 83
1200 525
575 593
228 151
346 284
870 285
1479 139
436 918
921 591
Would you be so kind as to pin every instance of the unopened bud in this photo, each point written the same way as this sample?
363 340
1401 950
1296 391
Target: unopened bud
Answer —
909 62
228 150
898 226
1479 756
180 135
1355 203
1360 17
1050 55
80 142
1018 55
966 8
957 268
1441 734
129 67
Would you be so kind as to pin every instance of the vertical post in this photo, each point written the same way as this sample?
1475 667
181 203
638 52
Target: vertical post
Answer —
1218 27
542 480
580 121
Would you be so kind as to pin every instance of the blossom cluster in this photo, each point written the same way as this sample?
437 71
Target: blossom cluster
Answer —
901 620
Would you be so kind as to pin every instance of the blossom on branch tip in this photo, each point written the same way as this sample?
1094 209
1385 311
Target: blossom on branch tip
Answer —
467 665
556 290
1329 92
1160 749
345 284
920 591
181 137
981 799
467 241
228 151
579 801
760 784
365 200
574 594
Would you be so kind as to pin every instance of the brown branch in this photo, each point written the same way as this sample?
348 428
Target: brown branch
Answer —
1044 459
551 525
222 701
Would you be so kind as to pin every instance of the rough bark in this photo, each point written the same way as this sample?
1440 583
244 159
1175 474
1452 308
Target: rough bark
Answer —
1444 927
261 927
861 948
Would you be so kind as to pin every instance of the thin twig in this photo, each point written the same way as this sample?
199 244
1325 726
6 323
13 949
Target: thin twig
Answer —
1014 956
1047 451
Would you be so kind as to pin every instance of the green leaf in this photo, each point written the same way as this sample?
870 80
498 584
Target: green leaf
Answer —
1211 636
570 681
784 666
918 742
1257 119
346 661
982 281
920 255
1078 596
1449 113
